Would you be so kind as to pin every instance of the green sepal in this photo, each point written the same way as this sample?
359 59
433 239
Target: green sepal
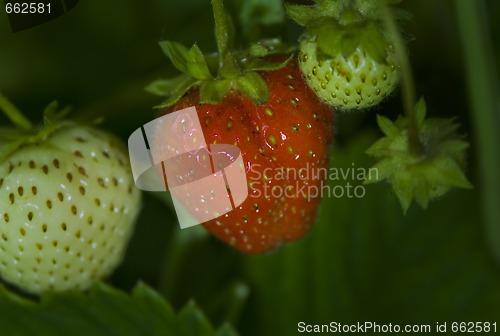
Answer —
270 47
213 92
259 64
230 68
258 50
374 43
197 65
254 87
349 43
446 172
177 53
13 113
302 15
13 138
384 170
184 83
163 87
455 148
420 176
233 73
403 188
387 126
329 36
52 114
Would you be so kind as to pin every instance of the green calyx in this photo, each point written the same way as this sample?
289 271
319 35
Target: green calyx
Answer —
340 27
345 12
217 75
424 176
24 132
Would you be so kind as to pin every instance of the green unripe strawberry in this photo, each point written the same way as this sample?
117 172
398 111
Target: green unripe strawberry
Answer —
67 206
356 81
346 53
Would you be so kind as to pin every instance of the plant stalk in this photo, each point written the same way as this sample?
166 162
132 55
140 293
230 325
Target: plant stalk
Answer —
408 83
483 88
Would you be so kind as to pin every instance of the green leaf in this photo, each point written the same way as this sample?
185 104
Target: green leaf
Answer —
177 53
193 322
196 64
102 311
254 87
225 330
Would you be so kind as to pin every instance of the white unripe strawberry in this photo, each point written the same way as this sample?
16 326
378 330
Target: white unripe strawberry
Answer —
67 207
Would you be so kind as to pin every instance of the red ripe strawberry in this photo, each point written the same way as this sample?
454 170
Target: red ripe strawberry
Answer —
267 110
291 131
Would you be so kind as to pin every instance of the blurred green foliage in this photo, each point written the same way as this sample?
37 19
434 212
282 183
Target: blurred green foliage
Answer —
103 311
363 260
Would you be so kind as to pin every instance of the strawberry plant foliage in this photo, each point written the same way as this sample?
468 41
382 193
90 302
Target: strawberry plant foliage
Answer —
427 174
102 311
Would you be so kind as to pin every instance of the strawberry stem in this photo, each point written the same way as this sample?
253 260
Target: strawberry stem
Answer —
228 67
220 29
14 114
408 84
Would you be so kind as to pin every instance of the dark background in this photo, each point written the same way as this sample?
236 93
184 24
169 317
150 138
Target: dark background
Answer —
363 261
